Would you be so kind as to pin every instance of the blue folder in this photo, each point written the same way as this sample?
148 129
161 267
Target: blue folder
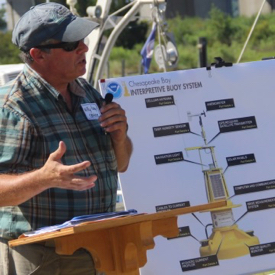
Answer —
80 219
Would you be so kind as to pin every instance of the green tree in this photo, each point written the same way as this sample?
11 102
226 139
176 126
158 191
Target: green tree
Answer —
133 34
3 23
220 26
118 4
82 5
9 53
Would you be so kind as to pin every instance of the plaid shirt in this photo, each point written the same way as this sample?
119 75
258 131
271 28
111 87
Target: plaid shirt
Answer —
34 118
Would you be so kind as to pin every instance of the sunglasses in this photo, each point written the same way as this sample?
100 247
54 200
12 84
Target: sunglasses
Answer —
66 46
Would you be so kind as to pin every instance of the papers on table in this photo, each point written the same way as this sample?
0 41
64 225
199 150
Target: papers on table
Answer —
81 219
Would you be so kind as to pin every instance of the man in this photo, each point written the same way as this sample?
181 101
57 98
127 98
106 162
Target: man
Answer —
61 146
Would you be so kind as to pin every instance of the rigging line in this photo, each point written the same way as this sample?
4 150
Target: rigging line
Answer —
157 19
123 8
109 17
252 29
161 48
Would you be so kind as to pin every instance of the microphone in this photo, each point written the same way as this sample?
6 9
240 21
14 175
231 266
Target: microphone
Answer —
108 98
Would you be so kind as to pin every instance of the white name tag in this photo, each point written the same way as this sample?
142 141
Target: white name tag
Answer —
91 111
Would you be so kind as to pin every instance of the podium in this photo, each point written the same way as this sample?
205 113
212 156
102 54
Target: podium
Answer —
118 246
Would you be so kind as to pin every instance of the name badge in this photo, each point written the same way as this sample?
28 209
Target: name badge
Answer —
91 111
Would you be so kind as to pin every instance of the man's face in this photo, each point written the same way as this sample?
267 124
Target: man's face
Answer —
67 65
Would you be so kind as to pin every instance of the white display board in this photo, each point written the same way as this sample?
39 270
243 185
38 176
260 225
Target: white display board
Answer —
167 112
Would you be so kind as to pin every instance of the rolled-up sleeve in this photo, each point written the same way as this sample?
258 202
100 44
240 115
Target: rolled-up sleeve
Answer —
15 141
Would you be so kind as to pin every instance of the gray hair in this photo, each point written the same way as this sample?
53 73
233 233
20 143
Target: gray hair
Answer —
26 56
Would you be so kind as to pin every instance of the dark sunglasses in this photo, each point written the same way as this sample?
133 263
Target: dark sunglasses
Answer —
66 46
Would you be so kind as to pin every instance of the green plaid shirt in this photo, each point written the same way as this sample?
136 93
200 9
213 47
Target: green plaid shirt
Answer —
33 119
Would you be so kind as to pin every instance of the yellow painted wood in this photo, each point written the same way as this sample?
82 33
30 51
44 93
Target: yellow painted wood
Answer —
118 246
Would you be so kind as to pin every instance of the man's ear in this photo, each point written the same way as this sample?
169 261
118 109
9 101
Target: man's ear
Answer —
37 55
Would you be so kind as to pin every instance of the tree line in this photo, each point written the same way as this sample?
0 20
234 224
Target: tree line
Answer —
224 34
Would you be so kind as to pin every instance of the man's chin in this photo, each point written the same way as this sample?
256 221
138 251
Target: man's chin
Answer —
82 72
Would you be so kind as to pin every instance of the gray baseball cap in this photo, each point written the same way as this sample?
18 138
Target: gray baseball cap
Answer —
49 21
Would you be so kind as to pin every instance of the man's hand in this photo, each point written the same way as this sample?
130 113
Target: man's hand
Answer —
18 188
114 121
58 175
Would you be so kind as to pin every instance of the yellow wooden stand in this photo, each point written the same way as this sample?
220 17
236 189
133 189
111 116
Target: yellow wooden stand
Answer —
118 246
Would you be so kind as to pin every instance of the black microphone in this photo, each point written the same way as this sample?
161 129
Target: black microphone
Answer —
108 98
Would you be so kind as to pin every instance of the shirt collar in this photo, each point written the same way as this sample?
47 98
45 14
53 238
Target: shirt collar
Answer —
33 77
